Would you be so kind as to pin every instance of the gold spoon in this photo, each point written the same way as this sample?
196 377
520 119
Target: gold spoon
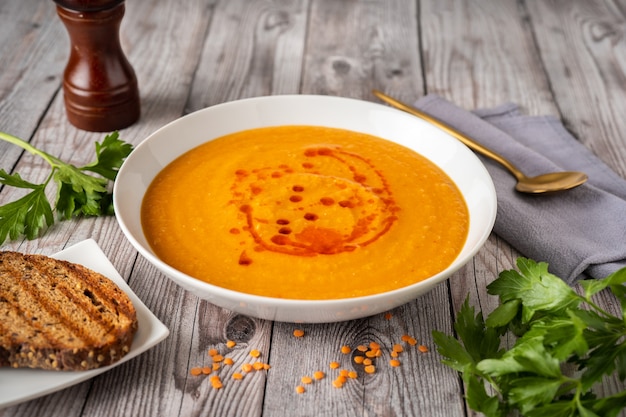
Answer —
545 183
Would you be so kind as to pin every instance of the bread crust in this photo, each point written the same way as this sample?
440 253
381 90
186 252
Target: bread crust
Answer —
59 315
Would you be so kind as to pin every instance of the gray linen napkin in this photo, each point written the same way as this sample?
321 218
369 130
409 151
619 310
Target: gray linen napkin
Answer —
577 232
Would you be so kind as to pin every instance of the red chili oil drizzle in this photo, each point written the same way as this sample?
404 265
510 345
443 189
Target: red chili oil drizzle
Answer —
312 240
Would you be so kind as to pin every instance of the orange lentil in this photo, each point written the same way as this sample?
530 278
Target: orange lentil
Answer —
374 346
342 379
230 344
300 389
352 375
306 379
367 361
334 365
422 348
237 376
257 366
216 383
398 348
195 371
394 362
206 370
409 339
246 367
359 359
228 361
298 333
216 366
266 366
213 352
255 353
394 354
361 348
217 358
344 373
371 353
337 383
346 349
370 369
319 375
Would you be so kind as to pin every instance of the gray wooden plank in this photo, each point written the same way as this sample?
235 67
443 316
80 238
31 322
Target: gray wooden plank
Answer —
482 54
353 47
252 49
34 49
583 48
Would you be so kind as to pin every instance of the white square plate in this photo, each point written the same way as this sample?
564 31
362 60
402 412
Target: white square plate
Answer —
19 385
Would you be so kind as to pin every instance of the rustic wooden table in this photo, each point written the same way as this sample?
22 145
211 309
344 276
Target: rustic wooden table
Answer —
560 57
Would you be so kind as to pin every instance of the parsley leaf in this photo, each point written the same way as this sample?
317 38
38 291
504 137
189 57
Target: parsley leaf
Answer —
78 192
564 345
535 287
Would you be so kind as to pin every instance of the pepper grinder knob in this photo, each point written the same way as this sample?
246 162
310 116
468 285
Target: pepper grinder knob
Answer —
99 84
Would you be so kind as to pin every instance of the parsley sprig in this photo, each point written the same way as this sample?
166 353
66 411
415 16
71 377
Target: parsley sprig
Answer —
564 345
78 191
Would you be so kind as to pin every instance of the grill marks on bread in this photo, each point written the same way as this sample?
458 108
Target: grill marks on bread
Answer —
59 315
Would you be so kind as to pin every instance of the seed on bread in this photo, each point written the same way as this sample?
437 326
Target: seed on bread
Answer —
59 315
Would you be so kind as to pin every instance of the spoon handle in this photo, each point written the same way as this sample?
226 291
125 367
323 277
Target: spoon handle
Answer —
452 131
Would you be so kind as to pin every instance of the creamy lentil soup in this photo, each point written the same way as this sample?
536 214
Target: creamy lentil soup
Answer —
305 212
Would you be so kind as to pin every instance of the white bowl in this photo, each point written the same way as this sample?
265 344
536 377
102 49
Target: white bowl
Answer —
181 135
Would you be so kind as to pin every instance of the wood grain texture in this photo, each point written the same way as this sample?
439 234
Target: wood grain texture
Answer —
583 47
353 47
482 54
252 49
564 58
34 50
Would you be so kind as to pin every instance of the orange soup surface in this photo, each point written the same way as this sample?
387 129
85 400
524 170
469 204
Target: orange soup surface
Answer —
305 212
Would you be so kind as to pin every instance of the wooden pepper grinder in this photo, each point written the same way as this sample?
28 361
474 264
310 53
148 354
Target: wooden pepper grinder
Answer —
99 84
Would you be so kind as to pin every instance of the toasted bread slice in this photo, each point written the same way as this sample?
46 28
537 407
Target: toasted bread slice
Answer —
59 315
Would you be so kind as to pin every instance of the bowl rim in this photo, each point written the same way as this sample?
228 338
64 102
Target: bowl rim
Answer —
189 282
